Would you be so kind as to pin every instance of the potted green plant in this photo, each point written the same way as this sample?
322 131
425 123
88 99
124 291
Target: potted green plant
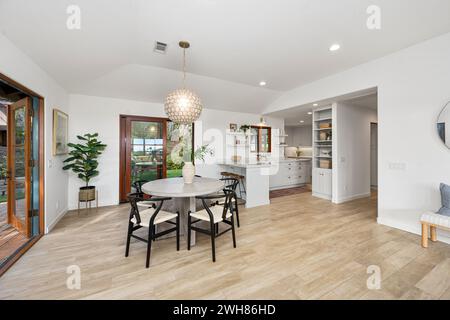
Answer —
83 162
244 128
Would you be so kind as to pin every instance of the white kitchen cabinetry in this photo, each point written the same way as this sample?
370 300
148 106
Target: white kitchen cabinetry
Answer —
290 174
322 186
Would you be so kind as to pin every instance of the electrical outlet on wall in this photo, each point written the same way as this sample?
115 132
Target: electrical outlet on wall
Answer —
398 166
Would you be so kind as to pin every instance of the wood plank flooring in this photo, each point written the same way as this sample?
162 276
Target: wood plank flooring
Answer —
287 192
10 241
299 247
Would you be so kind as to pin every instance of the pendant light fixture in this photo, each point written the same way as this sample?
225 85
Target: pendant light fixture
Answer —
262 122
182 105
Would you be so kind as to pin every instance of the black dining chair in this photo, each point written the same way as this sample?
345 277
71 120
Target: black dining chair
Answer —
214 215
230 184
145 202
149 218
137 185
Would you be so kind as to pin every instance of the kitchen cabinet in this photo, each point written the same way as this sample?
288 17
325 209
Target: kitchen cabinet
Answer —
321 183
291 173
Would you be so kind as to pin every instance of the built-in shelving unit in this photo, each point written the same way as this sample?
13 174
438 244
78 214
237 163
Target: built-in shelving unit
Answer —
281 142
322 152
323 138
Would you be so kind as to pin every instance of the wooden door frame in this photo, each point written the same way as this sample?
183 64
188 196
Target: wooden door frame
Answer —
125 165
258 142
41 164
11 144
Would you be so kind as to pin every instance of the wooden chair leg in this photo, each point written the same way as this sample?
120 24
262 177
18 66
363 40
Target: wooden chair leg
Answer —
233 232
424 235
127 248
237 211
433 234
178 231
213 241
149 246
189 231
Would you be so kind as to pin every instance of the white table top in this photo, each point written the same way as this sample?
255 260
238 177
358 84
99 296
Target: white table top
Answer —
176 188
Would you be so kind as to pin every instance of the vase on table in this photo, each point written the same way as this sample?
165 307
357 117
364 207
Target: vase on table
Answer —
188 172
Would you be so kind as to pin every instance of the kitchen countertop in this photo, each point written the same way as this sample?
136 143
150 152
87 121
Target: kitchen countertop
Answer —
263 164
251 164
302 159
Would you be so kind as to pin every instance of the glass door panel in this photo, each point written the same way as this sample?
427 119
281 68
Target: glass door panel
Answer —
18 169
260 140
142 151
147 151
265 140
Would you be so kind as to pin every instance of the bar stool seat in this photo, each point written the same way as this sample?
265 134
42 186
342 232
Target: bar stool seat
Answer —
241 180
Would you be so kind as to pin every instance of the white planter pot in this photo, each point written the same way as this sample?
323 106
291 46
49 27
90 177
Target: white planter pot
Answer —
188 172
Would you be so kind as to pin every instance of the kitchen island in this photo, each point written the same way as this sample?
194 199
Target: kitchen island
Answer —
261 177
256 180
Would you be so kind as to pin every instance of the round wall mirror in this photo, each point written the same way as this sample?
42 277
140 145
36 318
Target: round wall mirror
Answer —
443 125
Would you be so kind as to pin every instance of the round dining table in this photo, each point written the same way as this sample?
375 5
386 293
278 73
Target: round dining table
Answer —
183 195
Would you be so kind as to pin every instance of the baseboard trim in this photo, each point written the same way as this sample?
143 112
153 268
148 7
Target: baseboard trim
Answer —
287 187
254 205
322 196
55 222
351 198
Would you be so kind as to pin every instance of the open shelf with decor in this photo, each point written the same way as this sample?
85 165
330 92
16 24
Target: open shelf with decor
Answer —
322 152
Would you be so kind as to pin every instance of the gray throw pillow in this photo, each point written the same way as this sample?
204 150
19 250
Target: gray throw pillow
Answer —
445 199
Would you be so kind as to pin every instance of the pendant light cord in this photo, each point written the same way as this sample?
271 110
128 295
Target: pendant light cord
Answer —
184 68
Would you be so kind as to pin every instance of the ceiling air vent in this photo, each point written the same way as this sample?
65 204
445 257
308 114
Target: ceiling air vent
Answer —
160 47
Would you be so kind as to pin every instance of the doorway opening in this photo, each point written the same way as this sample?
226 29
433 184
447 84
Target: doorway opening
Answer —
374 156
21 170
147 145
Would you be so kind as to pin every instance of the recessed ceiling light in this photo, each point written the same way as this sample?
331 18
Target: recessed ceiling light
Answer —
335 47
310 113
301 121
262 83
315 104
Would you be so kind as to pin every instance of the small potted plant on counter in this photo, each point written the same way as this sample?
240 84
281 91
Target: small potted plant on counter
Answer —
83 162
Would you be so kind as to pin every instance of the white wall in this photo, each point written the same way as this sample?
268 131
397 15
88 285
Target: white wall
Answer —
102 115
351 179
19 67
299 136
215 123
413 86
98 114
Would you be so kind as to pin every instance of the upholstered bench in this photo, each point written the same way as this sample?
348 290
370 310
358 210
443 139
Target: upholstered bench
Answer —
430 222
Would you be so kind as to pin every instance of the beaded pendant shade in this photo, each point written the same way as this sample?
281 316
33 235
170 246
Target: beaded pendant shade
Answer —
183 105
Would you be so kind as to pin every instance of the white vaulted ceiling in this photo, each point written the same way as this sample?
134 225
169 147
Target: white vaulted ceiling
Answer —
235 43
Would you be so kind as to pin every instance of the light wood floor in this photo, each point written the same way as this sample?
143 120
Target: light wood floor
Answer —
299 247
11 240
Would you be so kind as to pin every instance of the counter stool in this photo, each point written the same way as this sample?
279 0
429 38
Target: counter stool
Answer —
240 178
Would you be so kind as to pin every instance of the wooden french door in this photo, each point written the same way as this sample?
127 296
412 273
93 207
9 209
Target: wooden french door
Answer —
143 151
18 165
